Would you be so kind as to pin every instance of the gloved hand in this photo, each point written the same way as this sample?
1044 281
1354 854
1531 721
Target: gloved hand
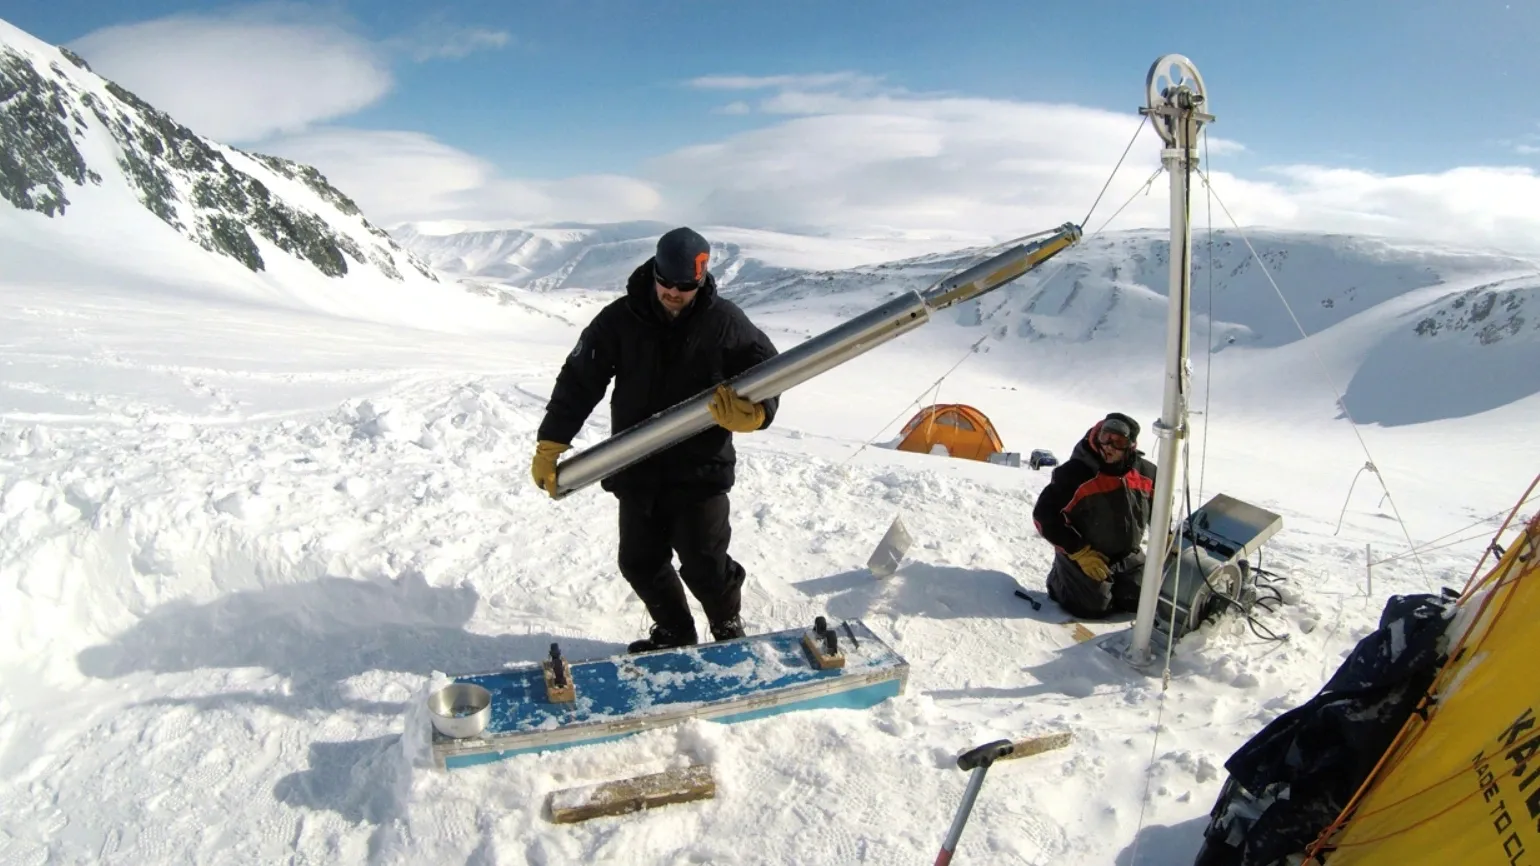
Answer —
1092 563
543 467
735 413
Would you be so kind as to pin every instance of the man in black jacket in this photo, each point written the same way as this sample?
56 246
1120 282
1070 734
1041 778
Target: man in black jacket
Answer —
669 339
1095 512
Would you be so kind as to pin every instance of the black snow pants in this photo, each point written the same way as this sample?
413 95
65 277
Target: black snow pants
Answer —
653 527
1084 598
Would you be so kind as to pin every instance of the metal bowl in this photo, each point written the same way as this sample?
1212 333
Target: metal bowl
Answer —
460 710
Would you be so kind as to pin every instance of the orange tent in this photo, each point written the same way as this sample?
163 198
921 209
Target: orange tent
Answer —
963 430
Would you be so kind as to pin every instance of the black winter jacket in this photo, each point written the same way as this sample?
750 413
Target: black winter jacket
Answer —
657 363
1090 501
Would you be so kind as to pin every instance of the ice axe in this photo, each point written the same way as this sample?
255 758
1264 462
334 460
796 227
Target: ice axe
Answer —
979 760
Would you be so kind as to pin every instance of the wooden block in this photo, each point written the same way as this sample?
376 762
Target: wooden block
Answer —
815 651
559 694
571 805
1037 745
1079 632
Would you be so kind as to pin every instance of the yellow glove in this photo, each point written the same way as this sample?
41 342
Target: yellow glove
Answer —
1092 563
735 413
543 467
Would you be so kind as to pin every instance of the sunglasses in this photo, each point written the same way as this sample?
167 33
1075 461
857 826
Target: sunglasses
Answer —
673 286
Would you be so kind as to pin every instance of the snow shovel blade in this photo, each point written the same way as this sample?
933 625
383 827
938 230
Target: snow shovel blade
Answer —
890 551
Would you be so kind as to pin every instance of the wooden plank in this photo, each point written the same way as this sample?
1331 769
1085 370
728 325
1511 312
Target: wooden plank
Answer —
816 651
1038 745
682 785
1079 632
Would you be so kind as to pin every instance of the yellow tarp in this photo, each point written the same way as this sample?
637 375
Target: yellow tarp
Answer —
1464 786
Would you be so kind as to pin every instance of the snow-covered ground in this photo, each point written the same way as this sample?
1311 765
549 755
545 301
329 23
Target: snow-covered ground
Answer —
245 517
238 535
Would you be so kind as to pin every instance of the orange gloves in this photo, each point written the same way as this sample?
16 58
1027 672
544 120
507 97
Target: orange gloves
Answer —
543 467
1092 563
735 413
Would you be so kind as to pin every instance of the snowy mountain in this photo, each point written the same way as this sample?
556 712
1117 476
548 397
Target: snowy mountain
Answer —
565 256
1105 286
1369 309
65 130
1106 283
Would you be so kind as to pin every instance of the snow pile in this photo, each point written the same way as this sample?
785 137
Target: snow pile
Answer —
219 633
249 521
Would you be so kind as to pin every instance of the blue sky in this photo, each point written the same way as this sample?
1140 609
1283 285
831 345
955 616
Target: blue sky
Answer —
539 96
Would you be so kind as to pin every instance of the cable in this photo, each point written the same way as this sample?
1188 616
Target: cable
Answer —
1232 600
1062 265
1428 547
1341 402
1471 583
1173 538
1349 497
1137 129
1208 371
1523 502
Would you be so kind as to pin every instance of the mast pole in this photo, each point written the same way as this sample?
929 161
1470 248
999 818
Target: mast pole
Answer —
1176 97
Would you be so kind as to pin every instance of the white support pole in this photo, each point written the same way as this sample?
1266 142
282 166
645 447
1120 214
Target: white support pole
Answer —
1175 110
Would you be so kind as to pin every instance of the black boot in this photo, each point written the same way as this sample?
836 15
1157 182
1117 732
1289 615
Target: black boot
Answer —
728 629
663 637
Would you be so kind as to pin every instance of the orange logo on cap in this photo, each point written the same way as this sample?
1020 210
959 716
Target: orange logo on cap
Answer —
700 265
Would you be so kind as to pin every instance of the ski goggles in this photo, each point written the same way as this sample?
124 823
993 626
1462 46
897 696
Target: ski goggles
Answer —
1114 434
1114 441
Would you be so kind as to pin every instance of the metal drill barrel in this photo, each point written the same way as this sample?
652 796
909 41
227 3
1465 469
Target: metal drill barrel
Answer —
792 367
810 358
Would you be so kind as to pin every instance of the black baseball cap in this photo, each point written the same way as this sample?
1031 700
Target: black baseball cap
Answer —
681 258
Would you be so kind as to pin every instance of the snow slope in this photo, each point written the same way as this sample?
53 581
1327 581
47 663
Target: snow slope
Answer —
561 256
1352 312
245 516
236 540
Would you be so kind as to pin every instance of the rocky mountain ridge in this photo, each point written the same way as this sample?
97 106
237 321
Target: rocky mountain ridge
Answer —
60 123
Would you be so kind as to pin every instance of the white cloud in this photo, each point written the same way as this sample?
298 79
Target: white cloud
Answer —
845 81
244 75
270 69
439 40
1223 146
975 167
913 164
843 156
1473 204
1526 144
400 176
